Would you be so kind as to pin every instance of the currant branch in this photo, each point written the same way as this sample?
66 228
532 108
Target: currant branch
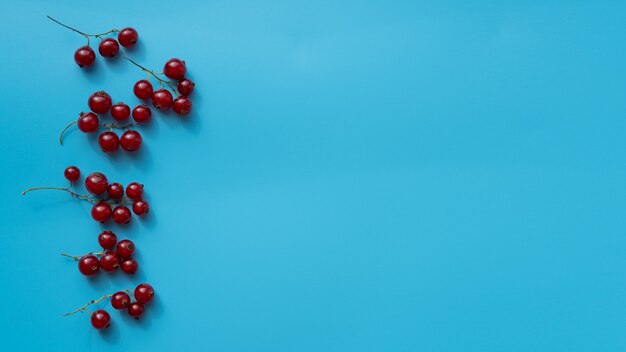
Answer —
88 197
99 35
75 257
110 126
84 308
162 81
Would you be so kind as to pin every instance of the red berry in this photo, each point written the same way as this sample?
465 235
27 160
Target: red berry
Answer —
88 122
140 207
144 293
120 300
142 113
100 319
96 183
109 261
107 239
108 47
120 112
130 266
125 249
131 141
162 99
109 141
143 89
182 105
84 56
135 310
185 87
72 173
88 265
128 37
100 102
134 191
115 190
121 214
101 212
175 69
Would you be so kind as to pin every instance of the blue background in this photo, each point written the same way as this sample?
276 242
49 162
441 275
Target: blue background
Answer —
355 176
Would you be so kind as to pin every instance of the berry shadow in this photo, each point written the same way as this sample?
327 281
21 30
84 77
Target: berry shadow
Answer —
94 73
117 63
137 52
194 120
111 334
149 221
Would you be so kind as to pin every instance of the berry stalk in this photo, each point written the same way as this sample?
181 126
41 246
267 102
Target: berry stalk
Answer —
153 74
99 35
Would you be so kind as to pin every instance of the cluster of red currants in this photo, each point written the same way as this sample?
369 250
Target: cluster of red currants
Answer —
114 255
97 184
120 300
108 47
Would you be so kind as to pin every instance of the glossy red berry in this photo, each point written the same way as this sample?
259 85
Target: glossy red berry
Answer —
143 89
108 47
107 239
101 212
125 249
162 99
100 102
131 141
88 265
134 191
182 105
120 300
115 190
120 112
88 122
121 214
142 113
109 261
140 207
100 319
175 69
144 293
84 56
72 173
185 87
96 183
130 266
135 310
109 141
128 37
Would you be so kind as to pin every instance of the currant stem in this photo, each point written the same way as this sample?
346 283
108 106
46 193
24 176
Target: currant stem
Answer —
121 127
84 308
88 197
63 132
75 257
99 35
153 74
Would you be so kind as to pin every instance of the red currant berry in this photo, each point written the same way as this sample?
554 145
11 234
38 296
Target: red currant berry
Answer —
72 173
128 37
107 239
120 112
101 212
143 89
162 99
175 69
100 319
130 266
134 191
109 261
109 47
84 56
88 265
121 214
142 113
144 293
88 122
125 249
96 183
120 300
131 141
109 141
140 207
115 190
100 102
135 310
182 105
185 87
